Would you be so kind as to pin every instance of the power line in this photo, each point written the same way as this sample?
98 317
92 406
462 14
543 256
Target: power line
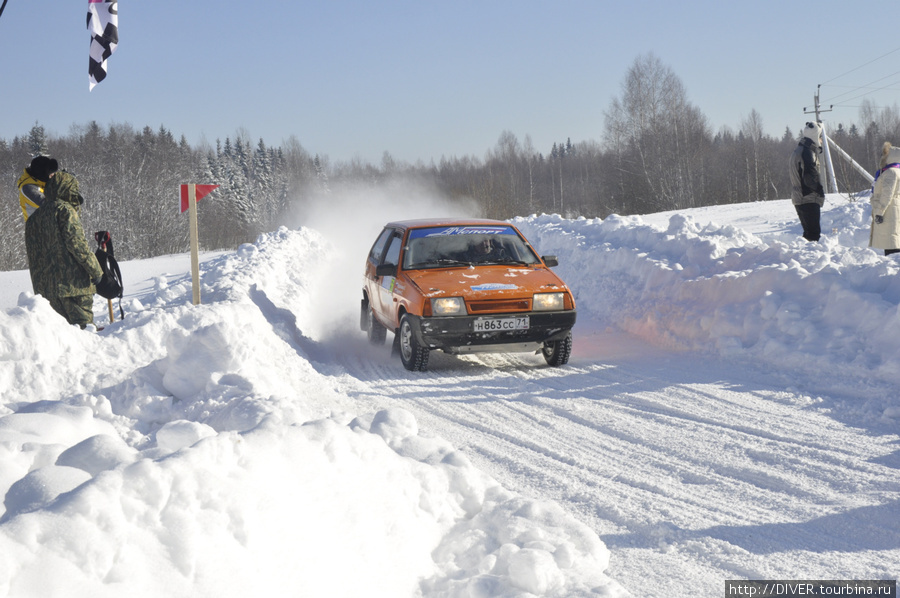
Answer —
866 86
856 97
862 65
866 89
852 89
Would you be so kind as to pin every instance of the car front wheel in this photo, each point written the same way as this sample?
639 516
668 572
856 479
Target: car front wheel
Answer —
557 353
412 354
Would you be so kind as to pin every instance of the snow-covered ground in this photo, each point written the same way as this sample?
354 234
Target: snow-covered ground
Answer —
731 411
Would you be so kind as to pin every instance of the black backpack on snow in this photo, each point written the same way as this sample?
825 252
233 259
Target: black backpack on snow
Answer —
110 286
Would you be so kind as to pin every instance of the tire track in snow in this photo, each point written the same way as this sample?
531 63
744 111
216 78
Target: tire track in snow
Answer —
622 413
674 467
506 411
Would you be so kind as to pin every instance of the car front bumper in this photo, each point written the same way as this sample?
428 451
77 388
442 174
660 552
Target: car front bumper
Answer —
458 332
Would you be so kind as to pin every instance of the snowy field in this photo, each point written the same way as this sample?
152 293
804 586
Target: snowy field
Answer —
731 411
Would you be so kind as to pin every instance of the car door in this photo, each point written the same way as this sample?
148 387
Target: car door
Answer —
384 302
371 279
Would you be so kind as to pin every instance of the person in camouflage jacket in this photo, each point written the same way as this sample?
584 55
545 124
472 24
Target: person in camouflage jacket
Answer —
63 268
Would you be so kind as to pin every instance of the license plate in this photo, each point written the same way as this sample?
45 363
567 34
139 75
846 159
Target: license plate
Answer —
495 324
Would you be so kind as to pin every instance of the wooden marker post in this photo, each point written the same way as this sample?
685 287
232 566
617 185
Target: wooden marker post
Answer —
190 195
195 242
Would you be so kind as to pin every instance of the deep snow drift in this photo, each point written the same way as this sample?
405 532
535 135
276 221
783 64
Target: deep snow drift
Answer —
826 310
214 450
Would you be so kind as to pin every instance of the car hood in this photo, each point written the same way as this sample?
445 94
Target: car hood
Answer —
486 281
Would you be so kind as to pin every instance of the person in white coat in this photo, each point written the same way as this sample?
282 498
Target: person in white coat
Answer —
886 202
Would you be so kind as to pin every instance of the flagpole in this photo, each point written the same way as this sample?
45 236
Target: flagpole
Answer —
195 241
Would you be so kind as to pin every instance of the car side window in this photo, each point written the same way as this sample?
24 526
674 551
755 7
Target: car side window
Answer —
378 247
392 255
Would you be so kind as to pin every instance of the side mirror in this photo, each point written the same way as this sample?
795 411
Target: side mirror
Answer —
550 260
386 270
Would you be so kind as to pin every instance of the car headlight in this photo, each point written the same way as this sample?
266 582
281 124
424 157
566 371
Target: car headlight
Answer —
448 306
547 302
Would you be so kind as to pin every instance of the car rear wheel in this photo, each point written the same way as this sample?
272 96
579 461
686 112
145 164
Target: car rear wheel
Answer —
363 312
412 354
374 330
557 353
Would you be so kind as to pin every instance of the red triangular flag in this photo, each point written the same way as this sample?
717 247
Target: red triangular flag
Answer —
202 191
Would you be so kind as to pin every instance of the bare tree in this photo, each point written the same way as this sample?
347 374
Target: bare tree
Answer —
657 135
752 132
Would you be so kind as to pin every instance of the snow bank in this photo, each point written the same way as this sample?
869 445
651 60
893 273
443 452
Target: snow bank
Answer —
212 450
205 450
796 308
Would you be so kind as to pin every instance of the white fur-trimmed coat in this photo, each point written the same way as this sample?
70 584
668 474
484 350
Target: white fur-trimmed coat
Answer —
886 202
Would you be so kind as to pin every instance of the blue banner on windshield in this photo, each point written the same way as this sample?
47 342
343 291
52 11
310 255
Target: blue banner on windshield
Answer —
443 231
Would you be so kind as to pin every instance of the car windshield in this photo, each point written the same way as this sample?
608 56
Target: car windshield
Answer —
444 246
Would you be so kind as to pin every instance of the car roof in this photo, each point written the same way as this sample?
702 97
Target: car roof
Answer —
426 222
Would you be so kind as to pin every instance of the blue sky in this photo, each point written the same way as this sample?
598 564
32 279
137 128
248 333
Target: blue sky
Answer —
421 80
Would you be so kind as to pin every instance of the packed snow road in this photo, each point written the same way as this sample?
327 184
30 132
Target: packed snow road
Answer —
689 477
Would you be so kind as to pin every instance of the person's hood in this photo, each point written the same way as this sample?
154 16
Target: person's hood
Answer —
889 154
813 132
63 186
42 167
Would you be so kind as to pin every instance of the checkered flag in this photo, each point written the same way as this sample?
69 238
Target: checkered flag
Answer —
103 23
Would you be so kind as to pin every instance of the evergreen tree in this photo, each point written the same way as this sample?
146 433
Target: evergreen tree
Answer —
788 136
37 141
321 175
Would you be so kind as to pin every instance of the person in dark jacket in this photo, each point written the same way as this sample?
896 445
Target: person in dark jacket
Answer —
807 193
63 268
486 249
32 182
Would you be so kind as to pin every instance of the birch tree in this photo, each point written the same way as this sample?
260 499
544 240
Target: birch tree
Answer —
752 131
658 136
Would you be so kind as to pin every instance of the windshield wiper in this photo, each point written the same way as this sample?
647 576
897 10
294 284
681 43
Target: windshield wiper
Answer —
438 262
507 262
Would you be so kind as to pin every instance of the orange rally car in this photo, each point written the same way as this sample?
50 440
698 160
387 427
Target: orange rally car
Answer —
464 286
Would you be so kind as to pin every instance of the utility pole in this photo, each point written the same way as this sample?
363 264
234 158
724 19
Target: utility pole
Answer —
829 167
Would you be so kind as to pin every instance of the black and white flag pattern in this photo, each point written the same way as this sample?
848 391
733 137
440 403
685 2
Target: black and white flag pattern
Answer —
103 23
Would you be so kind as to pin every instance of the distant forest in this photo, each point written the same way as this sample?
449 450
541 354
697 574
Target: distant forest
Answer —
657 152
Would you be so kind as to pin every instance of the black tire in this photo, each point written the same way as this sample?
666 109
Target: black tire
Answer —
556 353
374 330
412 354
363 313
